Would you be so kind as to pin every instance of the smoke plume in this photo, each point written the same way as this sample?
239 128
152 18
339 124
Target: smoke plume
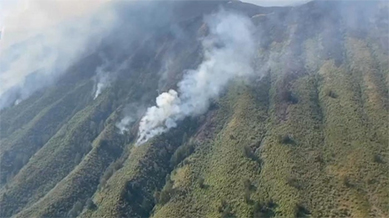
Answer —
103 77
124 123
104 81
132 112
228 52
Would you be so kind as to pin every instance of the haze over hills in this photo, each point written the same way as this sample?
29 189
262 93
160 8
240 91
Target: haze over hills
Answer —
199 109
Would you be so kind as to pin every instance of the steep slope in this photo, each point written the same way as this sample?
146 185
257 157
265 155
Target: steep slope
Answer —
305 137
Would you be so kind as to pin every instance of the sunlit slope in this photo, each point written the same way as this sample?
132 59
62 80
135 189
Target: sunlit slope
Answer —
320 152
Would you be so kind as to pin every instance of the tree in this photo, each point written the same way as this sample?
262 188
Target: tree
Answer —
76 209
286 139
200 181
181 153
166 193
90 205
77 158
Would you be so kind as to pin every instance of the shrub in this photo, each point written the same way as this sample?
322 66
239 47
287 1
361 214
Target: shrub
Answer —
117 165
247 196
108 173
76 209
181 153
264 210
77 158
90 205
156 196
225 210
378 159
248 152
200 181
294 183
302 212
332 94
147 205
287 96
248 186
347 182
248 189
167 193
165 196
286 139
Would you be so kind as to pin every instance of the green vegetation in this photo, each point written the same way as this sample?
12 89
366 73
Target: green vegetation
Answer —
39 130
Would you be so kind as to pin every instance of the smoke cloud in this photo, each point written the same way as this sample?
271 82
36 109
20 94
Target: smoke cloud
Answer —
42 39
228 53
132 112
22 19
124 123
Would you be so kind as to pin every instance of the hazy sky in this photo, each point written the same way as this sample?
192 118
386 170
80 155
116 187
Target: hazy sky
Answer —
275 2
22 18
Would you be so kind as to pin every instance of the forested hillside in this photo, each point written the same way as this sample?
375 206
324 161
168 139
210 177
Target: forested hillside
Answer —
305 135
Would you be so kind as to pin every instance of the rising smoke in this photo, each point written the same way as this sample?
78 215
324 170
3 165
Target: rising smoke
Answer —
107 73
124 123
43 40
53 35
103 78
132 112
228 52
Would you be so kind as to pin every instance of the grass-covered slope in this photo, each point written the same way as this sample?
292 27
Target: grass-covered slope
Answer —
317 153
322 150
84 179
37 131
56 158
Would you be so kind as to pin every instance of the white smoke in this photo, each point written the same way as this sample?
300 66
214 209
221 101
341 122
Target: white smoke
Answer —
23 19
124 123
45 39
103 79
107 73
132 112
18 101
228 52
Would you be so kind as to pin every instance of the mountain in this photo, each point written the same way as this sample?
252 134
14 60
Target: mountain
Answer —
305 134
